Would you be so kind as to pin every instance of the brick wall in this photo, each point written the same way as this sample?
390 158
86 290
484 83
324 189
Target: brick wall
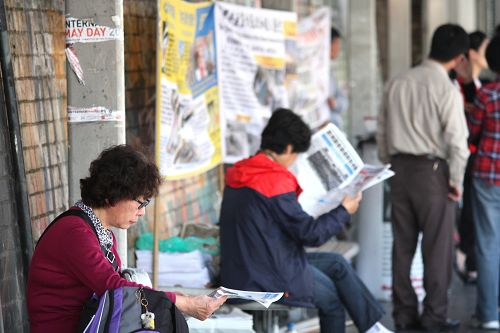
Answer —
140 75
12 300
37 41
193 200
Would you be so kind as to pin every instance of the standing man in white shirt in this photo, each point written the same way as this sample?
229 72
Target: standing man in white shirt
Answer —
422 132
337 102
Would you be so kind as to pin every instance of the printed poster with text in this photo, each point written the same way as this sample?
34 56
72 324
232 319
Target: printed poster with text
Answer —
255 64
188 133
309 92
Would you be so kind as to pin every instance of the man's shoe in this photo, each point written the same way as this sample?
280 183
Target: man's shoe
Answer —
446 326
408 327
467 277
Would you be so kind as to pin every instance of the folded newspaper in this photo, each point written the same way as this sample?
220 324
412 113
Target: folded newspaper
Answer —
332 169
264 298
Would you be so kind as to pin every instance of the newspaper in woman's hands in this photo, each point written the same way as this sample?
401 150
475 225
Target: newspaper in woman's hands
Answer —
264 298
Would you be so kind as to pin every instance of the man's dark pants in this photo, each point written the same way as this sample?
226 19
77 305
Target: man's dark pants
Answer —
420 204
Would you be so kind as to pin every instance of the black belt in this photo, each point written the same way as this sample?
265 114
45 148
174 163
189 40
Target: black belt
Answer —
428 157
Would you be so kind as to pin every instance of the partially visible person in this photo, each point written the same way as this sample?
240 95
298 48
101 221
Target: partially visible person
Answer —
68 264
484 126
468 78
468 71
264 230
337 102
422 132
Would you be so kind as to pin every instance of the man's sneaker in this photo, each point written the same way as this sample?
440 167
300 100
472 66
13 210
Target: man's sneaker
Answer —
491 325
488 325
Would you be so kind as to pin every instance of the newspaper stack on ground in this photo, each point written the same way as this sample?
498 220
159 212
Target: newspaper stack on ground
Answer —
264 298
235 321
186 269
331 169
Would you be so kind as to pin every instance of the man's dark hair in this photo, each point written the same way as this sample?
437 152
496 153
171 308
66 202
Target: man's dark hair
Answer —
497 30
119 173
283 129
334 34
476 38
493 54
448 42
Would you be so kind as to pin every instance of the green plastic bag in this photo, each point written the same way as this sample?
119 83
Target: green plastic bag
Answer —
177 244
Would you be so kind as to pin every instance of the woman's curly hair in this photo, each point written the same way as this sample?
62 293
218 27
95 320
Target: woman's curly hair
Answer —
119 173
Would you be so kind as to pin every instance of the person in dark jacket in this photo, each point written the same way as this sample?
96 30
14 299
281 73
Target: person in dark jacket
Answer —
263 232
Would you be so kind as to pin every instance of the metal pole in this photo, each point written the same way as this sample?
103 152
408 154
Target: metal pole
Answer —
96 28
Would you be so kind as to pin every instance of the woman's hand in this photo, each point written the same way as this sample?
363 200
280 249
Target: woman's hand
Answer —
351 204
199 307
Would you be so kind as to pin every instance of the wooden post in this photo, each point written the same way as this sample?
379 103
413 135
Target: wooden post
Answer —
156 227
221 178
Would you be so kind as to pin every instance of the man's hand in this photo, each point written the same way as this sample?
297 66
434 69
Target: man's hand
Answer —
454 193
199 307
351 204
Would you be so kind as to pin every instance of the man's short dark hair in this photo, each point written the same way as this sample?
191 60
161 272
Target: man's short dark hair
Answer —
119 173
334 34
493 54
448 42
283 129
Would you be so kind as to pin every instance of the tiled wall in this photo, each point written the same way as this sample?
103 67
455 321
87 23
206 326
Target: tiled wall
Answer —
37 40
140 76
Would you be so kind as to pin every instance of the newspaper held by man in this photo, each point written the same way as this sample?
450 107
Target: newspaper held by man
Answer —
264 298
332 169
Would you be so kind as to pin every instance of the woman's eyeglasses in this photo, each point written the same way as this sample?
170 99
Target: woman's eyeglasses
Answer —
143 204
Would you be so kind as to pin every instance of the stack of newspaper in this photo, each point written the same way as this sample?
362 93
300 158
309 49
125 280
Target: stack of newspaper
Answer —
185 269
332 169
235 321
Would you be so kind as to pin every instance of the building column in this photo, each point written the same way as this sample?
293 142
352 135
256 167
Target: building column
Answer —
436 12
364 75
399 36
464 12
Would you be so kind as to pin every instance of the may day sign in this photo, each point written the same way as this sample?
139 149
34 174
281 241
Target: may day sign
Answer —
86 31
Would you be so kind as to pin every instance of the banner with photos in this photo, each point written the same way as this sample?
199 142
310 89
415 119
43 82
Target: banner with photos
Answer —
188 132
309 92
255 65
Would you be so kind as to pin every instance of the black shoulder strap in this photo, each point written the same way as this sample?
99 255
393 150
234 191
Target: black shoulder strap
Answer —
85 217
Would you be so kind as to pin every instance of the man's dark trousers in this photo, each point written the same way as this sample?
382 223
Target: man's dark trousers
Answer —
419 197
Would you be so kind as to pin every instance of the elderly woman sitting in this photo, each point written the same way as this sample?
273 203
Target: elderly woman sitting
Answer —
69 263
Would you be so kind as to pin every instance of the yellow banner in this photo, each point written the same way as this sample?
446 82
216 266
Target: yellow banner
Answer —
188 131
